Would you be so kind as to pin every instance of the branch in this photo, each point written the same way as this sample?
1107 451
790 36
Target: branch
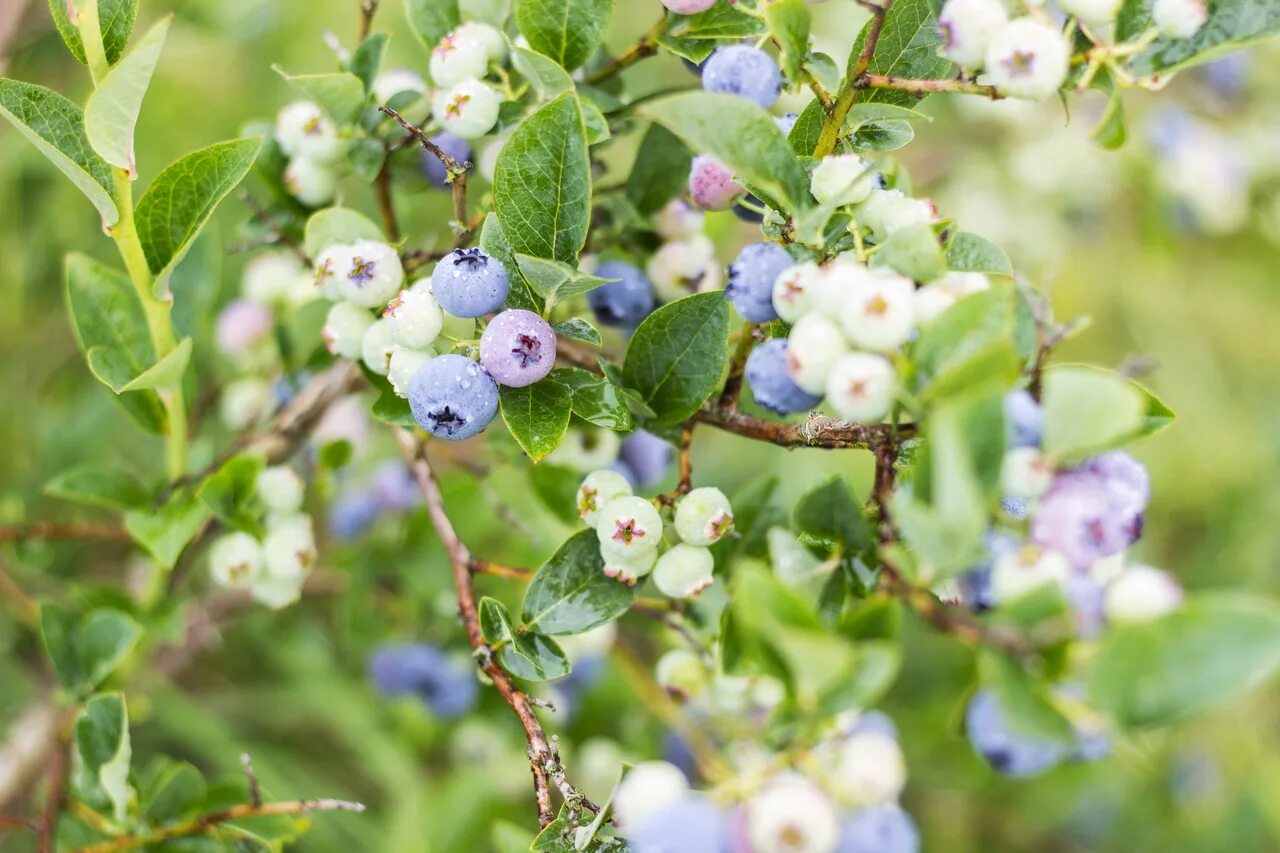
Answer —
645 46
23 606
47 835
199 825
368 8
483 567
386 204
455 172
845 98
878 13
926 87
54 531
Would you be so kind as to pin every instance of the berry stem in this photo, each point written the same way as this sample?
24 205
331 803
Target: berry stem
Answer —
645 46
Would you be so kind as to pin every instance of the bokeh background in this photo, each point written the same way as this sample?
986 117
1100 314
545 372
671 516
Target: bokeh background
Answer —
1171 245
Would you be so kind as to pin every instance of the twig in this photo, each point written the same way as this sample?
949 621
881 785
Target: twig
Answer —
926 87
7 822
255 791
878 13
845 98
199 825
23 606
55 531
386 202
685 484
368 8
47 835
483 567
645 46
455 172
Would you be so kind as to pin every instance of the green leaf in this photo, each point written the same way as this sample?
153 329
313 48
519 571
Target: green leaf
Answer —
1087 410
743 136
85 651
969 349
579 330
163 374
555 281
115 19
177 791
914 252
677 357
164 533
561 836
545 75
570 594
968 252
530 656
182 198
908 48
1232 24
432 20
494 243
660 172
594 122
366 156
97 486
111 113
722 21
789 23
109 320
229 491
335 225
830 512
366 62
340 94
567 31
1157 416
595 398
542 183
1215 648
1110 131
882 136
55 126
1026 703
103 751
537 415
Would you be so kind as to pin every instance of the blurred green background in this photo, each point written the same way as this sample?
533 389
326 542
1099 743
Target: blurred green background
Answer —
1194 306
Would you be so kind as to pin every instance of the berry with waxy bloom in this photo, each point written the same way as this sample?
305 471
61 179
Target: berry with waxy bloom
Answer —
1027 59
771 384
433 169
1139 594
684 571
372 275
932 300
647 788
882 828
878 312
1086 517
791 815
329 268
861 387
1024 419
494 42
377 346
280 489
403 365
966 28
469 110
1180 19
310 181
470 283
458 58
452 397
1007 750
447 686
236 559
518 348
869 768
751 278
344 329
841 179
703 516
813 348
793 290
624 299
711 184
681 267
628 568
598 489
628 526
646 456
887 211
414 317
745 71
1023 570
303 130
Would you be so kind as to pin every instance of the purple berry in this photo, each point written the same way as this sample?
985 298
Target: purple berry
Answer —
1086 597
394 488
874 722
351 515
452 397
449 689
691 823
432 169
624 299
469 283
1122 474
647 457
711 184
751 277
518 348
745 71
1085 519
771 385
1008 752
883 828
1024 419
786 122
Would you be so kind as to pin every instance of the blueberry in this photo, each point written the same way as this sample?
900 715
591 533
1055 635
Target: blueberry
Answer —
518 348
625 299
1008 752
786 122
647 457
883 828
394 488
745 71
751 277
469 283
691 823
747 214
448 688
711 183
432 169
771 385
352 514
1086 518
1122 474
1024 419
453 398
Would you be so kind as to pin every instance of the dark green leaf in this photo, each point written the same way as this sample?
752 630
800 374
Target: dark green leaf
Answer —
829 511
722 21
1232 24
85 651
97 486
165 532
494 243
103 751
678 355
229 491
908 48
789 24
555 281
570 594
565 30
967 252
579 330
595 398
537 415
176 792
531 656
660 172
366 62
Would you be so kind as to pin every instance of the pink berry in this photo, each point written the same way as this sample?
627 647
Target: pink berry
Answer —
711 184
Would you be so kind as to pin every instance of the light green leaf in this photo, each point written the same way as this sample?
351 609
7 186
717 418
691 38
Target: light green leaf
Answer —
340 94
830 512
789 23
55 126
545 75
1232 24
115 20
969 349
677 357
660 172
85 651
229 491
1026 703
182 198
335 225
579 330
103 751
743 136
1087 410
432 20
531 656
165 533
570 594
913 251
111 113
564 30
175 792
366 62
164 373
97 486
723 21
968 252
1215 648
554 281
542 183
537 415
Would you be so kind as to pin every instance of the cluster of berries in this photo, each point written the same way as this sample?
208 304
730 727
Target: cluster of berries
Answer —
630 531
274 567
846 801
1028 57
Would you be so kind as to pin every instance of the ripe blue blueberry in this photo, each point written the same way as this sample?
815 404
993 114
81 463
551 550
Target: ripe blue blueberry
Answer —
771 385
624 299
745 71
883 828
647 457
452 397
1024 420
751 277
470 283
432 169
691 823
518 348
394 488
450 689
351 515
1008 752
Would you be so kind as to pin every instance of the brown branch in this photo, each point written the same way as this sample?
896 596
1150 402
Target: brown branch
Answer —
386 203
645 46
53 531
47 835
876 26
199 825
368 8
838 111
7 822
925 87
685 461
515 573
455 173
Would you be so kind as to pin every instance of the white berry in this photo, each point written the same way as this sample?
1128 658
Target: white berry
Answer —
628 526
886 211
344 328
372 276
628 568
376 347
1180 19
879 313
869 769
792 291
402 366
681 673
280 489
841 179
235 559
494 42
1027 59
703 516
684 571
647 788
290 547
1141 593
966 27
310 181
598 489
681 267
1095 12
791 815
813 348
303 130
275 278
457 58
937 296
414 316
1026 569
469 110
861 387
1025 473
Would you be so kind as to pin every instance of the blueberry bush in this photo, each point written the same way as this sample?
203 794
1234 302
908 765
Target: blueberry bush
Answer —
449 431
